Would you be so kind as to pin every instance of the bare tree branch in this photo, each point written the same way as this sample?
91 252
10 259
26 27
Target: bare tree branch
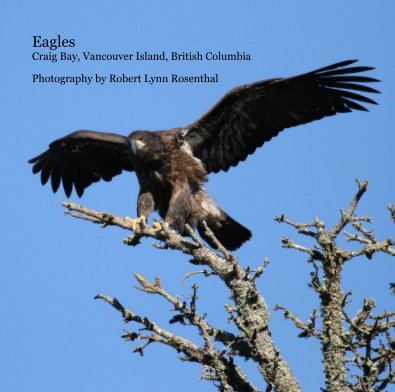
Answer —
346 216
365 336
358 351
308 329
229 375
250 311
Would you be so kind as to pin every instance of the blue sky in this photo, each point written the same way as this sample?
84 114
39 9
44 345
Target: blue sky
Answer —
54 336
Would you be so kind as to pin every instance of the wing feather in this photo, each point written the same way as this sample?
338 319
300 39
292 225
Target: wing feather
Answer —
250 115
45 173
82 158
56 178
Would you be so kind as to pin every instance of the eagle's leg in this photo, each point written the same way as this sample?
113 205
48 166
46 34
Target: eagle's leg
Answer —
145 205
179 209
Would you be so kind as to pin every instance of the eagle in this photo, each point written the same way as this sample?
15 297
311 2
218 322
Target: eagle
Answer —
173 165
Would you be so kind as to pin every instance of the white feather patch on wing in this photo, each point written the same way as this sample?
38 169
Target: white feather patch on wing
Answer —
193 139
186 147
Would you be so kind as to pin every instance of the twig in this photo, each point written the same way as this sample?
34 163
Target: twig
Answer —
346 216
308 329
205 272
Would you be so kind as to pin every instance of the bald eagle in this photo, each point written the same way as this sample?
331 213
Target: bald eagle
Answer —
172 165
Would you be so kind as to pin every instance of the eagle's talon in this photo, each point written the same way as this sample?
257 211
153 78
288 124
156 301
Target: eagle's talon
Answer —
157 225
163 226
136 223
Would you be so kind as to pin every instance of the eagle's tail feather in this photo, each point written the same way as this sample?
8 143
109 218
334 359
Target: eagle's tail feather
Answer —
228 232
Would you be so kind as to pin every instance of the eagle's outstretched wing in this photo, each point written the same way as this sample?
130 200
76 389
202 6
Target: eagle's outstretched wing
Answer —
82 158
250 115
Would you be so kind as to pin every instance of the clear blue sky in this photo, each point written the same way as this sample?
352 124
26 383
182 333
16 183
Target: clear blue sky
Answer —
54 336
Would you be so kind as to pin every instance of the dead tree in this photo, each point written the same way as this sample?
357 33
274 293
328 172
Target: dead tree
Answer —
358 350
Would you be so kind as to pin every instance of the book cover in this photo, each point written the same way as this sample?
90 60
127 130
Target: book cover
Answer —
131 65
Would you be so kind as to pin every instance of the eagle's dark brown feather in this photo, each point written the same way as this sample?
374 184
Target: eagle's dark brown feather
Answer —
82 158
172 165
250 115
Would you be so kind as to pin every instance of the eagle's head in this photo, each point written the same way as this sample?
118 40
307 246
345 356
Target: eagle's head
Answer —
147 146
